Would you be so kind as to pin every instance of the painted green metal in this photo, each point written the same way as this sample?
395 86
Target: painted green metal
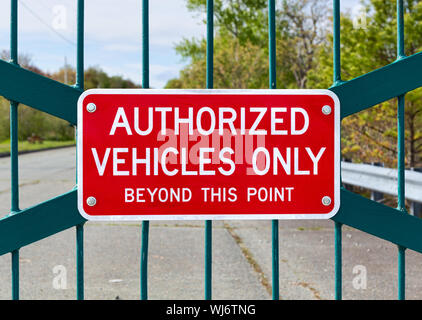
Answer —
272 45
15 274
338 262
401 273
385 83
14 32
401 153
80 262
14 110
400 29
39 92
336 81
210 45
144 260
145 85
275 260
209 85
145 44
401 191
208 260
80 86
40 221
80 47
400 114
14 163
365 215
273 85
336 43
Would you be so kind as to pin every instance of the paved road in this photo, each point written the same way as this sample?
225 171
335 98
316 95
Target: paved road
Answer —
241 253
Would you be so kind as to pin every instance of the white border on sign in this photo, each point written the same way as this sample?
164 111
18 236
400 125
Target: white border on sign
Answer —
264 216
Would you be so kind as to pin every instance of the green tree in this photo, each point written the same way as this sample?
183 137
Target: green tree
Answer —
303 32
241 44
95 77
371 134
243 19
235 66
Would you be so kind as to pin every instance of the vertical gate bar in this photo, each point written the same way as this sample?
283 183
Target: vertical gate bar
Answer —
15 274
272 44
80 262
14 165
275 259
145 44
209 85
80 46
273 85
401 196
401 290
208 260
401 151
401 191
400 29
338 281
14 111
336 42
145 85
210 44
80 85
14 161
338 274
144 260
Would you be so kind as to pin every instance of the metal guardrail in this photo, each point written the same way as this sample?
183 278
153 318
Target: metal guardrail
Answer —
380 179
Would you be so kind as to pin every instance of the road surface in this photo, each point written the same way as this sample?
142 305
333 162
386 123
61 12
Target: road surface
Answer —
241 253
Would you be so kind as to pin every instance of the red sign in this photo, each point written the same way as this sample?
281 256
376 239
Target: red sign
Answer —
208 154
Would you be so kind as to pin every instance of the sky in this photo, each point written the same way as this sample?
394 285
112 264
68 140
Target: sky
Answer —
47 33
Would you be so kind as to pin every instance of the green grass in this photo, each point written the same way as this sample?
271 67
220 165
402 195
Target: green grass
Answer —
26 146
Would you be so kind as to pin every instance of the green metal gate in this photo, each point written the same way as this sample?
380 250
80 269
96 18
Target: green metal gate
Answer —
23 227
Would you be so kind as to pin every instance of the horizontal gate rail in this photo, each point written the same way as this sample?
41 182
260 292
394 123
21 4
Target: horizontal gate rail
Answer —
39 92
381 179
379 85
39 222
379 220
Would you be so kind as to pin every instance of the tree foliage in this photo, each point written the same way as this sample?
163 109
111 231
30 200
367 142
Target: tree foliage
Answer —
371 135
241 44
235 66
243 19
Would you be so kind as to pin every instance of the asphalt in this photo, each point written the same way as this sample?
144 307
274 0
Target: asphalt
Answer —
241 253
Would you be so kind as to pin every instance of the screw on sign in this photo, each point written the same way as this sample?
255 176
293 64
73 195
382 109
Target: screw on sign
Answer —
208 154
91 107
